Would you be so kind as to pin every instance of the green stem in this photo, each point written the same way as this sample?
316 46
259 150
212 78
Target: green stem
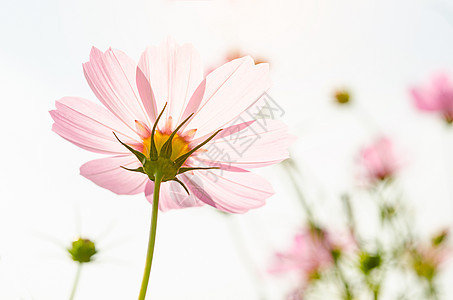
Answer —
289 166
76 281
347 289
152 236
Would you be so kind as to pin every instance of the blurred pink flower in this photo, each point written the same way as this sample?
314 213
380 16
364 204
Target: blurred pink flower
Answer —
436 97
312 251
134 94
379 160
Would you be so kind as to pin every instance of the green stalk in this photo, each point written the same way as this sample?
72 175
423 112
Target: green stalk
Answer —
76 281
152 236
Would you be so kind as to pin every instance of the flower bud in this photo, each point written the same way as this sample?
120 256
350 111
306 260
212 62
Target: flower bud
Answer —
82 250
369 261
342 96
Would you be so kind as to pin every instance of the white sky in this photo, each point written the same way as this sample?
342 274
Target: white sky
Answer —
376 48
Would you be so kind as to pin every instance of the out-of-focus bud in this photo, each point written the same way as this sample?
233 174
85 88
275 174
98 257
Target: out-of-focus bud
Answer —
82 250
342 96
426 259
369 261
440 238
388 211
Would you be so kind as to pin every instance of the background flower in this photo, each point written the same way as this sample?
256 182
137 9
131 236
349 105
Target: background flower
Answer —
437 96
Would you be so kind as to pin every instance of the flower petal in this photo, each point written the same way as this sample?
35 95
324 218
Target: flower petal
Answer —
248 145
112 77
174 72
107 173
89 126
229 91
230 191
172 196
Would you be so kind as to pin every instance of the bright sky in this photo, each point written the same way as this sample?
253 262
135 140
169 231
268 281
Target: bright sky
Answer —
378 49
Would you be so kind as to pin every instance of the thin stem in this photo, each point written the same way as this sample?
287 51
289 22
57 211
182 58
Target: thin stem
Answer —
289 166
351 218
76 281
347 289
152 236
246 257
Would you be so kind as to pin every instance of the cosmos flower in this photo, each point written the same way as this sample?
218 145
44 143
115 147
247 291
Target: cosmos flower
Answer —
436 97
162 112
307 256
379 160
312 251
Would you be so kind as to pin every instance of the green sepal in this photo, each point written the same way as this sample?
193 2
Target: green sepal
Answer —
166 149
140 156
153 149
180 160
183 170
139 169
182 184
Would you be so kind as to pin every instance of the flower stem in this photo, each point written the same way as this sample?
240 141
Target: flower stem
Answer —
290 166
347 288
76 281
152 236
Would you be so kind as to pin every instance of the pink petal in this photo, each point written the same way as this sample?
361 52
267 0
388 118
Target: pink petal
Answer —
436 96
174 73
230 191
107 173
261 143
172 196
425 100
90 126
112 77
229 91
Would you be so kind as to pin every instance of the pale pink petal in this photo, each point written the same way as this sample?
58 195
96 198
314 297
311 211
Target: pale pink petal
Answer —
249 145
112 77
425 99
174 73
230 191
107 173
229 91
90 126
142 130
437 96
172 196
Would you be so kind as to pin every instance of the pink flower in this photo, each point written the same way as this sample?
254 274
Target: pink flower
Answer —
379 160
133 95
311 252
436 97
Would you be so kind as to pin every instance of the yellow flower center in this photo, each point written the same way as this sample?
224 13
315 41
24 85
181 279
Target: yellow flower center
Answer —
179 145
